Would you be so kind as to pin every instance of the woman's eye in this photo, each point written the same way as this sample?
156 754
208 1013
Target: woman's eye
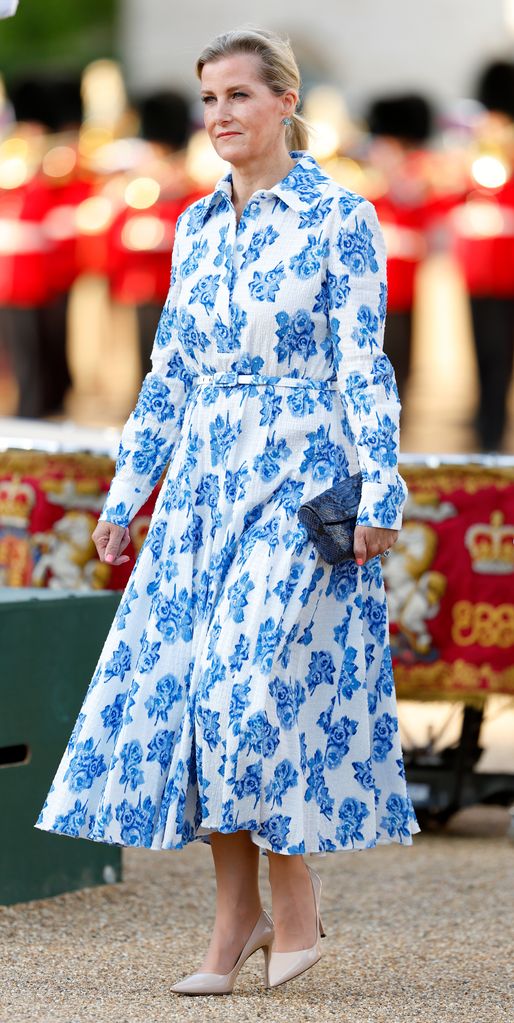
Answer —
207 99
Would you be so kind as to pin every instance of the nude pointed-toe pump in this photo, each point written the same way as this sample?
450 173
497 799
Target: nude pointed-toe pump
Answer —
286 965
223 983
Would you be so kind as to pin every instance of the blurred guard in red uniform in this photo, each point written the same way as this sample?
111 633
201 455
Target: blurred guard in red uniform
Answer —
37 270
156 193
483 243
399 125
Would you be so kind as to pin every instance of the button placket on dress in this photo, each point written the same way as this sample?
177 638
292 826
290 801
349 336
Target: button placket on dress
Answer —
237 255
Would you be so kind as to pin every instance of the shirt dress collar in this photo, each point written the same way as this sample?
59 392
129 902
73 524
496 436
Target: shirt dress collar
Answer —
301 189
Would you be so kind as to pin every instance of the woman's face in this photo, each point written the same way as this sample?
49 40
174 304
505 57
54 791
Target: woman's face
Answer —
242 116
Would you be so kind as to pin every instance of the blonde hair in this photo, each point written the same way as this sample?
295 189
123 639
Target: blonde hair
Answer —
277 69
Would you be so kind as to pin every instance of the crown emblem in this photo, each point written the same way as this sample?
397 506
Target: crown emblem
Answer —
16 502
491 546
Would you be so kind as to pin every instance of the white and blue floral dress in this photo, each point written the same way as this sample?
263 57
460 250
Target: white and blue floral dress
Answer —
244 682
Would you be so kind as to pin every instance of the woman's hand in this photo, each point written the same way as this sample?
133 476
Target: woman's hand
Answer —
370 541
110 540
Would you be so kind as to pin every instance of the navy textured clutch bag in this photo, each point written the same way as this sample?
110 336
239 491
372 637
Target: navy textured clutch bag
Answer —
330 519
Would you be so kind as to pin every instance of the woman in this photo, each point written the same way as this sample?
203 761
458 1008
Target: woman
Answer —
244 696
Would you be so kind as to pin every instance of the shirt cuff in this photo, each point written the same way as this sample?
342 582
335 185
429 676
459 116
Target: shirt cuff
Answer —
120 505
382 504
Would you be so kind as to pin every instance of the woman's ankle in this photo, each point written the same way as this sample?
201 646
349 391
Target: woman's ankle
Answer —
239 912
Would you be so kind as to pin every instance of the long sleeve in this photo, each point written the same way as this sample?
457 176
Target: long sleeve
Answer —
357 299
152 428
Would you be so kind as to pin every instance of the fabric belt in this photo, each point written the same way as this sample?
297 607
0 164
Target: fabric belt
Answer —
232 378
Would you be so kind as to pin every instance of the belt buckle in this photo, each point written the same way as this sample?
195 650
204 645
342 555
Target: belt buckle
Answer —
219 378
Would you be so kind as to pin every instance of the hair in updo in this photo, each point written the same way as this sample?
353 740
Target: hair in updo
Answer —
278 69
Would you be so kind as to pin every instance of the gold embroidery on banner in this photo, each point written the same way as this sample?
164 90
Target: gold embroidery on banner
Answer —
66 465
427 484
15 560
452 681
483 624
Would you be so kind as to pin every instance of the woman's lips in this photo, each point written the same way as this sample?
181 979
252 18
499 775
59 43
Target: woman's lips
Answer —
228 134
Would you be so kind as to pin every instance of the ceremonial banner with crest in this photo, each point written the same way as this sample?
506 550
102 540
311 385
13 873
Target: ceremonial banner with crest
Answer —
49 506
449 580
450 584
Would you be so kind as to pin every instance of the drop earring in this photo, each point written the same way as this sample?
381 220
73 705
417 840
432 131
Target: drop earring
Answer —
287 121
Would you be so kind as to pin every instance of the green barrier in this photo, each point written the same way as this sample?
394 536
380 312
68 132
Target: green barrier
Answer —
50 642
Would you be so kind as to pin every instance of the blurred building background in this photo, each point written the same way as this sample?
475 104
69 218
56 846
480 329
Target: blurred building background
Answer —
362 48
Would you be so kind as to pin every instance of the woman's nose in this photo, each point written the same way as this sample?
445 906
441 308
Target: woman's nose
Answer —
222 113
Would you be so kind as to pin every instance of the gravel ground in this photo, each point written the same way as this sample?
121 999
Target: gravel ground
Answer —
423 933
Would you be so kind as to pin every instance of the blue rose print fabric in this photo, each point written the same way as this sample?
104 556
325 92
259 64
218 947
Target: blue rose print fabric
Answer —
245 683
